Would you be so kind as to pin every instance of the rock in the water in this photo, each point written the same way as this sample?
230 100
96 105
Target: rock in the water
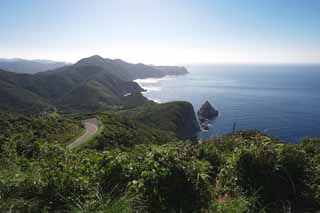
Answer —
207 111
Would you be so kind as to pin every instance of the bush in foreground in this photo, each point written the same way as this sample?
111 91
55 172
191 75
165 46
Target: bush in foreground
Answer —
240 172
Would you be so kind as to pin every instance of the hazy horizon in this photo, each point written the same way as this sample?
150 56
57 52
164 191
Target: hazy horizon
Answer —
163 32
49 60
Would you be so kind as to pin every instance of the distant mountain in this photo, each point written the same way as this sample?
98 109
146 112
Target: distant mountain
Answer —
29 66
76 88
127 71
91 84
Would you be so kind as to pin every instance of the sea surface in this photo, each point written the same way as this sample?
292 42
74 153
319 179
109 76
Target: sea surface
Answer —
280 100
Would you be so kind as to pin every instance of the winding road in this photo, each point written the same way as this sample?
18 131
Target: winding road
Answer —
91 126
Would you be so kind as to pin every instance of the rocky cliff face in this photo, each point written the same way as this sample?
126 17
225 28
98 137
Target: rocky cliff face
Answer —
189 125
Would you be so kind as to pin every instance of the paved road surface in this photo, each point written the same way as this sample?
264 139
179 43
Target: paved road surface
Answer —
91 126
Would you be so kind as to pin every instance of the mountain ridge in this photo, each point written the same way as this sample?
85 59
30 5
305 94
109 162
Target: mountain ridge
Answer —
91 84
128 71
20 65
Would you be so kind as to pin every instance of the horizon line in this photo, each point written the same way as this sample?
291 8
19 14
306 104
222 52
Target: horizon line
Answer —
178 63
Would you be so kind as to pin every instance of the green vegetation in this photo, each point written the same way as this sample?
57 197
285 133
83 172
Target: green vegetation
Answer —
122 132
71 89
26 132
177 117
92 84
140 160
131 167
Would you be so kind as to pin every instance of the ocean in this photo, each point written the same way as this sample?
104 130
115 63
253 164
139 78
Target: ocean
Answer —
279 100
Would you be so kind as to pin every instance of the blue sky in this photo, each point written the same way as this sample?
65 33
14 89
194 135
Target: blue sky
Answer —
162 31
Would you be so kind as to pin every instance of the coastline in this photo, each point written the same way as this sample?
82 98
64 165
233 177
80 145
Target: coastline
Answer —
151 84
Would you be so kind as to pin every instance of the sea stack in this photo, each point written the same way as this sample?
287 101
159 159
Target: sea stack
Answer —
206 112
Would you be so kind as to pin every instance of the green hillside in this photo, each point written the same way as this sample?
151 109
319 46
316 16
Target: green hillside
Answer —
142 170
75 88
141 159
122 132
177 117
29 131
91 84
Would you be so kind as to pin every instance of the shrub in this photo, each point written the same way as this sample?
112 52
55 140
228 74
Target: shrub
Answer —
239 204
123 132
312 148
275 174
166 177
210 153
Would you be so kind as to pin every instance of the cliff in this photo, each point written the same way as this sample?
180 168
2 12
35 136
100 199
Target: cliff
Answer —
178 117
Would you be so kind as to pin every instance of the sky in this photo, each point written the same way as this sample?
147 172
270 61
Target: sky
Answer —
162 31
